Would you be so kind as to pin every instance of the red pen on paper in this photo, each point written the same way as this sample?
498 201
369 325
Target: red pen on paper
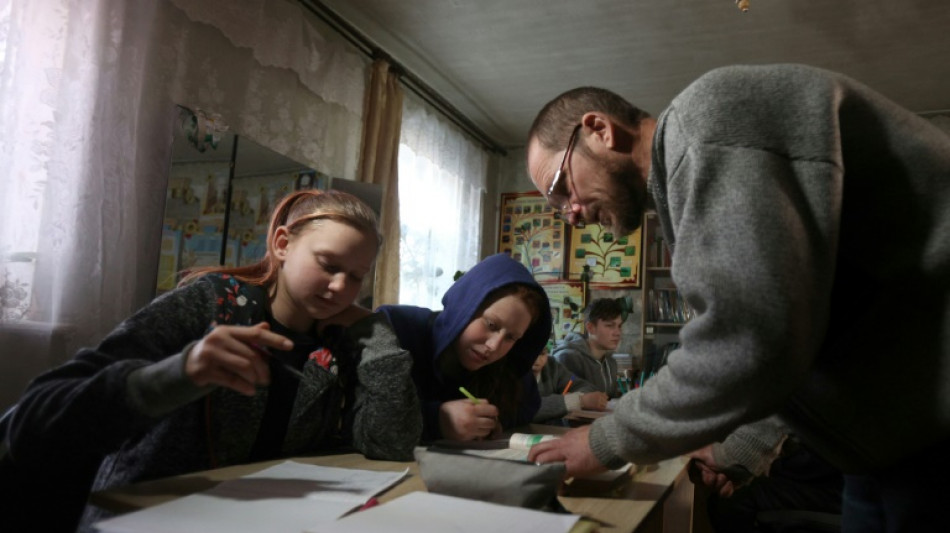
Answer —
372 502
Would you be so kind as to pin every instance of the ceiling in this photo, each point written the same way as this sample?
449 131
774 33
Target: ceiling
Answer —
499 61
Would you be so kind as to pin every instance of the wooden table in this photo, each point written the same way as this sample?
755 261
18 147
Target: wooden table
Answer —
659 497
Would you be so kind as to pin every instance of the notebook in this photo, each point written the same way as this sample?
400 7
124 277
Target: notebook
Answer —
515 448
426 512
288 497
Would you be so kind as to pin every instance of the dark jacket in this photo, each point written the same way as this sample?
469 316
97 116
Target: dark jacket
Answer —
128 407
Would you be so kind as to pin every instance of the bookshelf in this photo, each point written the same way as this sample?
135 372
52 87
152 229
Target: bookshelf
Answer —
664 310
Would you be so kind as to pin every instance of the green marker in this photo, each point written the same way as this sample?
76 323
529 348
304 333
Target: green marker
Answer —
469 395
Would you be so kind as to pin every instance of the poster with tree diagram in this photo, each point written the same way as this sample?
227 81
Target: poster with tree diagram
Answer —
530 233
610 260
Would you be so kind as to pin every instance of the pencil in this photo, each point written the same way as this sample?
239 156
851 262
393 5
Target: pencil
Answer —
294 371
568 386
469 395
297 373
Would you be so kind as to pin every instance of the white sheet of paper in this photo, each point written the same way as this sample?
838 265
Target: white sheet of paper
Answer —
426 512
289 497
506 453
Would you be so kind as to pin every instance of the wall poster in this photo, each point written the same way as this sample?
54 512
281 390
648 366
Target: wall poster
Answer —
611 260
567 306
195 206
530 233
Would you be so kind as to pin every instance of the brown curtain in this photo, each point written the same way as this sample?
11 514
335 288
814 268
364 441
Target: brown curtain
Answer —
379 155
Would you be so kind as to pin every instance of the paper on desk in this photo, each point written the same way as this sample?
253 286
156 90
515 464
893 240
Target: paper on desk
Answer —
517 450
519 445
289 496
424 512
513 454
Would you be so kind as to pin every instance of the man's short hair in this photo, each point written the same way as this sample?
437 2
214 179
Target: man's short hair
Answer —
603 309
556 120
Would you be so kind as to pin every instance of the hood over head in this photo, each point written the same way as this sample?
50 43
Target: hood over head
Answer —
466 295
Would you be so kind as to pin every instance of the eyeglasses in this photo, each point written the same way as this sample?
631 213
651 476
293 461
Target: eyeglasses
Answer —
559 194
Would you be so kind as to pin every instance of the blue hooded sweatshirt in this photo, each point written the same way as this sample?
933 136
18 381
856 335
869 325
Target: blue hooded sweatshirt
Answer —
426 334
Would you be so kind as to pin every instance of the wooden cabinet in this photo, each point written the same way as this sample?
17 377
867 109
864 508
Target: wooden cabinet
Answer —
664 310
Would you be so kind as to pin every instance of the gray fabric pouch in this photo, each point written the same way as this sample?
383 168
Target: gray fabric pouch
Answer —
517 483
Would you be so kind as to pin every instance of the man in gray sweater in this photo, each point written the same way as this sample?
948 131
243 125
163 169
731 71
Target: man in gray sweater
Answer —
809 223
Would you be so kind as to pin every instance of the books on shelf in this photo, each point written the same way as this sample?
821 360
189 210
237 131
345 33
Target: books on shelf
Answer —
668 305
659 254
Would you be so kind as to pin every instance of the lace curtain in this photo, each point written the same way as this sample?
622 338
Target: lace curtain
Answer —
442 183
83 178
275 74
87 110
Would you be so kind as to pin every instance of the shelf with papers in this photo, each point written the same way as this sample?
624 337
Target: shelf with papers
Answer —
665 312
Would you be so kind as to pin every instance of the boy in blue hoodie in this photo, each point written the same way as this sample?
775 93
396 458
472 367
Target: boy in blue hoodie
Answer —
495 320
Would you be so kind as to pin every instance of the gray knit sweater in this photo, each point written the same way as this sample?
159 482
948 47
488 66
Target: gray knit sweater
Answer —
810 223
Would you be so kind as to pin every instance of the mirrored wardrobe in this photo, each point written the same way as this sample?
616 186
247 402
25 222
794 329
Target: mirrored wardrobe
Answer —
221 189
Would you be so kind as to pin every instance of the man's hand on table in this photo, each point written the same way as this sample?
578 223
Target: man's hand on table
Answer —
572 449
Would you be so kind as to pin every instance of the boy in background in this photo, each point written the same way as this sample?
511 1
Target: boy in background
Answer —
561 392
590 358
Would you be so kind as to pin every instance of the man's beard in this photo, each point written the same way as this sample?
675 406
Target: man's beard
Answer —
628 198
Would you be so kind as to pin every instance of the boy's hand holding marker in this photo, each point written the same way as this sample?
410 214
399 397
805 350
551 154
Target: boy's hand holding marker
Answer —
468 419
231 356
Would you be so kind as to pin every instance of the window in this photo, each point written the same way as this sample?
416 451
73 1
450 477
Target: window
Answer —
442 175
